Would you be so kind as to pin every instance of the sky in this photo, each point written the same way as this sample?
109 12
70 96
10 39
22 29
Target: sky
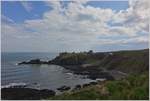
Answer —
58 26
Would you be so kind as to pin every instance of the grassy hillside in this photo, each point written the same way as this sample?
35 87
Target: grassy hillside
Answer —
134 87
77 58
126 61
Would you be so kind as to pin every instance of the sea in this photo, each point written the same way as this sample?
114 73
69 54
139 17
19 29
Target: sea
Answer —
36 76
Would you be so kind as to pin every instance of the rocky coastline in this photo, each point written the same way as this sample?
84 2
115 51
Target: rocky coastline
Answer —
24 93
111 65
108 65
91 71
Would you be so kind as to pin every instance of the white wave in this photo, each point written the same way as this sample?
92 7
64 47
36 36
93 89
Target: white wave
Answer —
69 73
14 85
101 79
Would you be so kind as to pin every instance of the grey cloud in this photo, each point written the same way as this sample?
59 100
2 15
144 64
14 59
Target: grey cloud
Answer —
78 29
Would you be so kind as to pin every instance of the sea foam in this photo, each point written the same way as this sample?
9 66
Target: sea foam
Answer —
14 85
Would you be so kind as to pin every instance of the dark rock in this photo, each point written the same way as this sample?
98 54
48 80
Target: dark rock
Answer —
25 94
77 87
35 83
92 77
86 85
100 74
34 61
45 93
19 86
93 83
22 63
90 52
63 88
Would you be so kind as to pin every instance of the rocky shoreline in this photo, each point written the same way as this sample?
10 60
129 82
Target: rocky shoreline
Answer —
110 66
92 71
23 93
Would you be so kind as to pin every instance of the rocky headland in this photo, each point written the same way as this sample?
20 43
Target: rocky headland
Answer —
123 70
109 65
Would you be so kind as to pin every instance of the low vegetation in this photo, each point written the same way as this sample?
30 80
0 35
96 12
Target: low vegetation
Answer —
134 87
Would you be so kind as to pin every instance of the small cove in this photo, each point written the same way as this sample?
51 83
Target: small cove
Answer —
37 76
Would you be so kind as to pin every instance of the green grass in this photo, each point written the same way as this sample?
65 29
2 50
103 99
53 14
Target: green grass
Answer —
135 87
132 62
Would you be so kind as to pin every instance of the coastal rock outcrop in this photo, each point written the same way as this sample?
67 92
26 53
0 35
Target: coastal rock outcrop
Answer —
25 94
34 61
63 88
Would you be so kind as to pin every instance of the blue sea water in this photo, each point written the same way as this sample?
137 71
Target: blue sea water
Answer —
36 76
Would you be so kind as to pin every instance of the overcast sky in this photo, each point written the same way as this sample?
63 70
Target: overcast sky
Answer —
53 26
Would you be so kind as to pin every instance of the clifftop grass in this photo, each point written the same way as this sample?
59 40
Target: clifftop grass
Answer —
76 58
133 62
128 61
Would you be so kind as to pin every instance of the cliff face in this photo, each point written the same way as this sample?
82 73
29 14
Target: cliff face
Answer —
135 61
77 58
